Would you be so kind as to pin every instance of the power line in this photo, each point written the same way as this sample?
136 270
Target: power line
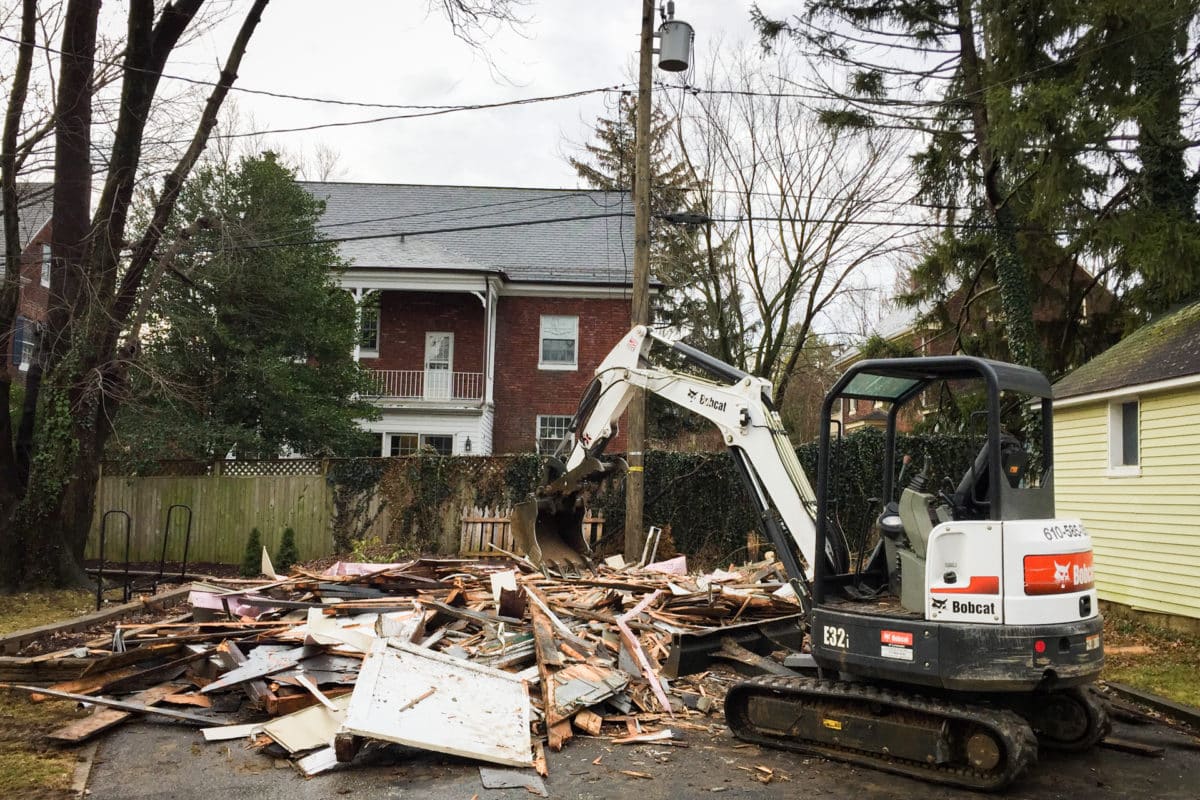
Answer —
332 101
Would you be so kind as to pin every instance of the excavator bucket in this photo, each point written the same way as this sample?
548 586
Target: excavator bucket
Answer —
548 527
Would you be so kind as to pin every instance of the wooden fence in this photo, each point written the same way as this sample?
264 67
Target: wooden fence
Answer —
484 526
227 499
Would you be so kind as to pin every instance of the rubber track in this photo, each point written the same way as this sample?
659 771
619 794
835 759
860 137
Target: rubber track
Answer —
1019 742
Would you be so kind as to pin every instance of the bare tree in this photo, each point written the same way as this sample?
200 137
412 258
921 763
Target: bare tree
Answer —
803 214
102 274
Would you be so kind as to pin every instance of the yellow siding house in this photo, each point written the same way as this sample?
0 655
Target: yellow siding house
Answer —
1127 462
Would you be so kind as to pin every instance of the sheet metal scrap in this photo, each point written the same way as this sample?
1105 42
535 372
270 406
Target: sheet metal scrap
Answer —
323 663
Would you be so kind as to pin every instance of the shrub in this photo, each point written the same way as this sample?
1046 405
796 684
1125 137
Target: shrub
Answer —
287 554
252 559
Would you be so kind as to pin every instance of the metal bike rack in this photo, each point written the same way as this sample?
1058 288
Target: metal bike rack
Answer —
103 541
187 541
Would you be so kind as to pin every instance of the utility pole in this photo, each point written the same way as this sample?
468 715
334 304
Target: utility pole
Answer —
635 480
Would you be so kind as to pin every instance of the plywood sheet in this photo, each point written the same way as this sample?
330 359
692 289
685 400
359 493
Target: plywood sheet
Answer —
472 711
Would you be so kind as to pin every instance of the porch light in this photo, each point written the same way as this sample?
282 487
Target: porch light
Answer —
467 445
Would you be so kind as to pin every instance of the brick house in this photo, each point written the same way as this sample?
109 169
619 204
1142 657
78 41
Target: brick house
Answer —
34 207
483 331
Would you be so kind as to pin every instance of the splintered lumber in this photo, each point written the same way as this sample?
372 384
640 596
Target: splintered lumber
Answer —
253 669
635 649
103 719
137 708
41 670
477 712
589 722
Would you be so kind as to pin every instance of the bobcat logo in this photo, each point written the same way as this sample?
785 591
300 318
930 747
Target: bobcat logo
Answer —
938 605
1062 574
692 394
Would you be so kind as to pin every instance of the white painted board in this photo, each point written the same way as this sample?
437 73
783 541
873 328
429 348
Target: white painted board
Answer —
474 711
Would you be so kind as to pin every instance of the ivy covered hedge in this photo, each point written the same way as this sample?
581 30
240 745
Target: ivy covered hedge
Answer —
699 495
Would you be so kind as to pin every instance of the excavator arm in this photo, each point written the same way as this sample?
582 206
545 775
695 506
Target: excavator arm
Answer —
737 403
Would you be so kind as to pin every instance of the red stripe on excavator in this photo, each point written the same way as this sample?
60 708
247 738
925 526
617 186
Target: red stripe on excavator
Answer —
979 584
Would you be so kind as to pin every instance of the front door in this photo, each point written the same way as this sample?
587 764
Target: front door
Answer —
439 361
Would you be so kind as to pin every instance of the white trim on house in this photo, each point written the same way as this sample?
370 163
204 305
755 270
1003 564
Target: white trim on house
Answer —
474 424
411 280
576 291
1130 391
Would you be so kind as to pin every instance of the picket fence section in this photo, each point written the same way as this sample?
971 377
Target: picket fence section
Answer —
482 527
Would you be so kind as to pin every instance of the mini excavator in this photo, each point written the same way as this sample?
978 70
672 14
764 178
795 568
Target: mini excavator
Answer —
966 638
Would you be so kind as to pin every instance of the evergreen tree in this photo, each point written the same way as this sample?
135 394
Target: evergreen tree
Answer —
1026 112
249 351
252 558
608 164
287 554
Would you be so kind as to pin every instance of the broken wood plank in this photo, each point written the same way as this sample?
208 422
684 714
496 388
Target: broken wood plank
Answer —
589 722
635 649
1130 746
278 705
312 688
139 708
103 719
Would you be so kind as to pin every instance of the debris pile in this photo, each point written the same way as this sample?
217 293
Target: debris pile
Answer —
486 659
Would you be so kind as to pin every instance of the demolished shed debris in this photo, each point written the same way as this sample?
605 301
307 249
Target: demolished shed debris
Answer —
485 659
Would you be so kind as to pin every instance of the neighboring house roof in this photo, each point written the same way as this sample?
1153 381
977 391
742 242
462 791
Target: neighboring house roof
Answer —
597 250
1165 348
35 201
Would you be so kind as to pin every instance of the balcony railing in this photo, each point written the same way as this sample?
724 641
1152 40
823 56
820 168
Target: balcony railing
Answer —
432 384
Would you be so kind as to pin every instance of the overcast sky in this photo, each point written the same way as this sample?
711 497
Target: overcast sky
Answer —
385 51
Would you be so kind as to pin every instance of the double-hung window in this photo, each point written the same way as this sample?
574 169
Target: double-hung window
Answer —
46 260
551 428
559 342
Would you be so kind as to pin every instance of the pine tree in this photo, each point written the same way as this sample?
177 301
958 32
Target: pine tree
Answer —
287 554
252 558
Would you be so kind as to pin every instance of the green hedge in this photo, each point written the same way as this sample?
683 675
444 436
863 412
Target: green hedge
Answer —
699 495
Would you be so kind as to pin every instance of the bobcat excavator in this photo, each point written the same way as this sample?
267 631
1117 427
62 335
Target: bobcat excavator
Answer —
963 640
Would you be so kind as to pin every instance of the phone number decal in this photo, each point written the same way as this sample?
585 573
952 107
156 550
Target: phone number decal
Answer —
1067 531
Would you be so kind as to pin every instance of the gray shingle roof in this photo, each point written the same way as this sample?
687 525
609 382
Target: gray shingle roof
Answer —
1168 347
597 250
34 204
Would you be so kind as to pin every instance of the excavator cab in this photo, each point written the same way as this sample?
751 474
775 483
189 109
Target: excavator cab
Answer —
999 481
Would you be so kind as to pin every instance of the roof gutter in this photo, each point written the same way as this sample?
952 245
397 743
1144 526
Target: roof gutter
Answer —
1180 382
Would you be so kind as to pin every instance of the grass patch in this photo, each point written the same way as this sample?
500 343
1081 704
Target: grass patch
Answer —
30 609
29 766
1164 662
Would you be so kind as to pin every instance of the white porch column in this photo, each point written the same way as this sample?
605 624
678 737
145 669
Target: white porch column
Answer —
489 364
357 291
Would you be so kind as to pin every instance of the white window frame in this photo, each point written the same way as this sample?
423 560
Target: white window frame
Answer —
26 327
537 431
557 365
46 261
369 306
1116 468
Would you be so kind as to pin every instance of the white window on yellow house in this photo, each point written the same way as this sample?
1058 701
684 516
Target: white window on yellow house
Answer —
1124 437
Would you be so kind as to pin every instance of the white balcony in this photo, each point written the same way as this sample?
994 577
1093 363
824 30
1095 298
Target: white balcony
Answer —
434 385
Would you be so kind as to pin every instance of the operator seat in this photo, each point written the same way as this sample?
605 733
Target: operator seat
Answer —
971 495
